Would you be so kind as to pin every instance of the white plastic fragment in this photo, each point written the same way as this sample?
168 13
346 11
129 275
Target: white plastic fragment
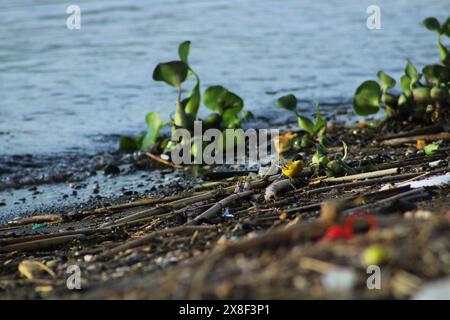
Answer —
340 279
436 290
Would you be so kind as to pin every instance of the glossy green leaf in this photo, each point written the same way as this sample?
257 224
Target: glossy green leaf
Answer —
446 27
344 145
445 54
411 71
192 102
367 98
183 51
218 99
230 117
431 149
288 102
320 121
387 82
436 73
405 83
173 73
154 125
432 24
306 124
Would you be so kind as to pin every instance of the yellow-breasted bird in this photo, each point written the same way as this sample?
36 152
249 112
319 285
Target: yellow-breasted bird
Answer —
293 168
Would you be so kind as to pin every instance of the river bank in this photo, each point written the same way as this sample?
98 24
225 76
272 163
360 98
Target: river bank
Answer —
217 238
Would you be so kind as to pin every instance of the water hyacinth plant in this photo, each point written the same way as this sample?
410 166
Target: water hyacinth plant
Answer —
227 106
425 96
315 130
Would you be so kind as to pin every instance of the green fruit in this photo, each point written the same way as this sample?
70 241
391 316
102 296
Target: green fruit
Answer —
306 142
335 168
296 144
375 255
438 94
319 159
422 95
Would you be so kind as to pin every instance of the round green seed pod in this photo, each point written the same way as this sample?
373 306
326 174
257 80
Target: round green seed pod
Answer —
438 94
306 142
422 95
335 168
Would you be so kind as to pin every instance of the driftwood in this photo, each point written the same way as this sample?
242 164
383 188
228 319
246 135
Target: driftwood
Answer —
144 239
219 206
40 244
161 160
413 139
177 204
361 176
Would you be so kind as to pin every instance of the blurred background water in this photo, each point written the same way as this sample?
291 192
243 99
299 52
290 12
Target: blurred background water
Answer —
68 91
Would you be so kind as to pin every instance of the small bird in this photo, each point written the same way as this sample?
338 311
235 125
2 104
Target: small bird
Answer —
293 168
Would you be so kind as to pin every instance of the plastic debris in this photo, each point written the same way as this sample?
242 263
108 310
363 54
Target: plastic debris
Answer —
227 214
39 226
337 232
338 280
436 290
433 181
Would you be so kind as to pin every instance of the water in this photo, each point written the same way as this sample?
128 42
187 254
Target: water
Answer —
68 91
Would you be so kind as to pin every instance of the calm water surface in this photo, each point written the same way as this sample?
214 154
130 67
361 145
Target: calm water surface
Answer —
69 90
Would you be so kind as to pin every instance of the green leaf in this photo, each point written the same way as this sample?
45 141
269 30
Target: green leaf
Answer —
436 73
367 98
218 99
411 72
445 54
173 73
345 151
288 102
154 125
192 102
432 24
230 117
320 121
306 124
183 51
387 82
405 82
129 144
446 27
431 149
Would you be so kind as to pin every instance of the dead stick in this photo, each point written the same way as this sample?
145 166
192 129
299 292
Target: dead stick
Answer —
219 206
177 204
360 176
40 244
386 200
426 137
144 239
159 159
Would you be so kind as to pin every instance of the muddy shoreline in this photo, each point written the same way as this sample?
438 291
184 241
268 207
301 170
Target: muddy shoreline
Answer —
32 184
148 247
